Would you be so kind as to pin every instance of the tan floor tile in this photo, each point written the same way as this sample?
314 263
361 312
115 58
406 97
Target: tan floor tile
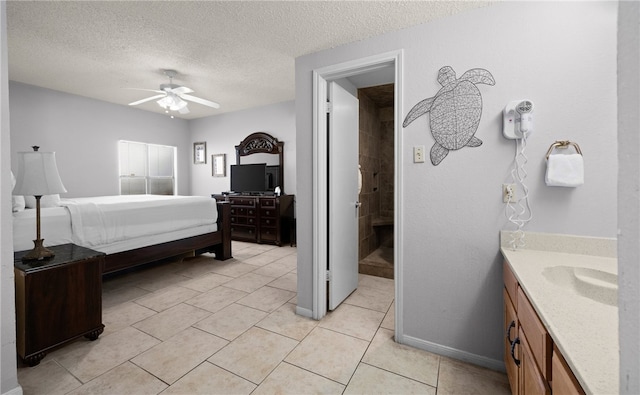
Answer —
232 321
46 378
274 269
285 322
380 283
371 298
281 251
121 295
267 298
389 321
160 280
290 261
410 362
289 282
260 260
206 282
197 266
233 268
249 282
458 377
88 360
122 315
371 380
353 321
166 297
243 255
171 321
217 299
208 379
329 354
289 379
176 356
254 354
124 379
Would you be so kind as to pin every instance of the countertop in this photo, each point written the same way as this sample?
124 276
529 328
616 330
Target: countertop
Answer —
584 330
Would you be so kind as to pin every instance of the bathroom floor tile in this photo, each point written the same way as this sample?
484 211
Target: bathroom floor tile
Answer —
166 297
329 354
371 380
232 321
254 354
285 322
289 379
249 282
274 269
208 379
354 321
176 356
206 282
371 298
123 315
410 362
171 321
121 380
389 321
457 377
122 295
233 268
288 282
216 299
47 377
267 298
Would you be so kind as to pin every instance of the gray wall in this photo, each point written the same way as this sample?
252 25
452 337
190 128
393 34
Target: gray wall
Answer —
223 132
84 133
562 56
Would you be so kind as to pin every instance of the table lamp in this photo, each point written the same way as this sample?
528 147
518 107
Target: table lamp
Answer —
38 176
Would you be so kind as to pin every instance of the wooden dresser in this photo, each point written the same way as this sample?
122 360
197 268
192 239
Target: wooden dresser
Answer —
260 219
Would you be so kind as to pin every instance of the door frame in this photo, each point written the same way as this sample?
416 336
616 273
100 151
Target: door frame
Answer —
320 174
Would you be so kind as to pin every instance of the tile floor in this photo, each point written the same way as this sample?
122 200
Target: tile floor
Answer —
200 326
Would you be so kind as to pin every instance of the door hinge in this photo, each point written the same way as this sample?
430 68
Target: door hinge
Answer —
329 107
328 275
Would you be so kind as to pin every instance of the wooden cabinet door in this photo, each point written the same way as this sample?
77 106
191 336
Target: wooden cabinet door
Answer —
510 334
564 382
532 382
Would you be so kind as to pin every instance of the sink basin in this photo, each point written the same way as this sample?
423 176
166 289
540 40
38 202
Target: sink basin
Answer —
594 284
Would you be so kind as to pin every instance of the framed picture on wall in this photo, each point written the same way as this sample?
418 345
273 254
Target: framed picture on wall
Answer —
218 165
200 153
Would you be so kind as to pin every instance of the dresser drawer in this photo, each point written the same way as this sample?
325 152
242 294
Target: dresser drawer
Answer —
268 222
268 212
243 231
268 234
236 201
267 202
539 339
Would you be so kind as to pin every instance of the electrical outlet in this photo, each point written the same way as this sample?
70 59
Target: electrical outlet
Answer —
418 154
508 193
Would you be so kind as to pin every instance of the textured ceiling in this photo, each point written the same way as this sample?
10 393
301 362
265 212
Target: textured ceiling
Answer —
240 54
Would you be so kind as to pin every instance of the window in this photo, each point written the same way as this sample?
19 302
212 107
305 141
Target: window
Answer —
147 168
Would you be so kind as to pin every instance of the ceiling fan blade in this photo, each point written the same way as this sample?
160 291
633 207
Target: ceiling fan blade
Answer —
146 90
135 103
200 101
184 110
181 90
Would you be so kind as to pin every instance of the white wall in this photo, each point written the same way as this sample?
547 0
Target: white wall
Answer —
84 133
562 56
223 132
629 195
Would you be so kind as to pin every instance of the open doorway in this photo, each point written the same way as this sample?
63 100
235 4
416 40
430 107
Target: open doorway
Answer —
365 72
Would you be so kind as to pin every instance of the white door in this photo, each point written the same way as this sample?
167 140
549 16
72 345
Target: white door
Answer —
343 194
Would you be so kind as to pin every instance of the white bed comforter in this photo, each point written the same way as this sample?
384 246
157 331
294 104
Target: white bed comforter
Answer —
103 220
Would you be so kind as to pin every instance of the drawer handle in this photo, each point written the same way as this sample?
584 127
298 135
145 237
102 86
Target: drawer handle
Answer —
513 346
511 325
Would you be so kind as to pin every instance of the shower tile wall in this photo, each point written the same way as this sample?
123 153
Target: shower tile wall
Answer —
376 161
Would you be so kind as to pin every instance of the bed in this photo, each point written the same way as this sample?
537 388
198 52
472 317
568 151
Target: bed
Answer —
133 229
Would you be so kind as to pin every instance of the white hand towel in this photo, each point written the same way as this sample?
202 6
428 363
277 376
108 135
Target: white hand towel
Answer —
565 170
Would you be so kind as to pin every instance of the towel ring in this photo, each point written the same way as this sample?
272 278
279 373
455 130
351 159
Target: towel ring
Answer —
563 144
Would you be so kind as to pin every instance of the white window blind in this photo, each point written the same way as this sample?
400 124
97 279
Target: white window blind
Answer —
147 168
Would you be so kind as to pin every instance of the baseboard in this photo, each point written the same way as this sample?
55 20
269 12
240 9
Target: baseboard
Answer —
304 312
14 391
475 359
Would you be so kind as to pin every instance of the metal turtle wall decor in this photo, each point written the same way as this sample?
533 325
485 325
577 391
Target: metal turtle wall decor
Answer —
455 111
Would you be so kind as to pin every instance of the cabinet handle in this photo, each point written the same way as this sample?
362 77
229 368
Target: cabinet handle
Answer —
513 346
511 325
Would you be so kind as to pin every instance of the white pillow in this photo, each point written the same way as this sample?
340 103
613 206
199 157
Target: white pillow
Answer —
17 202
45 201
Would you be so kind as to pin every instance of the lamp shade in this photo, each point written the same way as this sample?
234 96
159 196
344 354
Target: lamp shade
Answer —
38 174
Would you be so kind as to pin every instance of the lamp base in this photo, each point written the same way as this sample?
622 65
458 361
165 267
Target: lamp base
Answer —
39 252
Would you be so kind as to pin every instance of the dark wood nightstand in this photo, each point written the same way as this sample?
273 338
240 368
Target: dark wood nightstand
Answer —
57 300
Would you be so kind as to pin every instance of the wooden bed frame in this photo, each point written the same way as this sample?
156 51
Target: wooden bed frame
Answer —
218 242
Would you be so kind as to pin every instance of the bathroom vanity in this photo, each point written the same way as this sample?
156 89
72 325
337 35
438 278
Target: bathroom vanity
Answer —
561 315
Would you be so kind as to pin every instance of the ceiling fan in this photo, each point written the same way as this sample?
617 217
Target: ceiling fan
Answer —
174 97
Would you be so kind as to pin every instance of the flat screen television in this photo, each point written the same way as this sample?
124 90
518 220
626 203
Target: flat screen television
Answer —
248 178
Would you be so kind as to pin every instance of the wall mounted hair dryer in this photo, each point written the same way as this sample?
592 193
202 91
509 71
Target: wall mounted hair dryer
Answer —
517 119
